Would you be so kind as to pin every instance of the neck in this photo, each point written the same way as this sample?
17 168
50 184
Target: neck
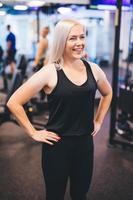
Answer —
70 62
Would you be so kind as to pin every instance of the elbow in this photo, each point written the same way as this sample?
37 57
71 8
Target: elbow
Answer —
111 93
13 105
10 104
108 96
108 93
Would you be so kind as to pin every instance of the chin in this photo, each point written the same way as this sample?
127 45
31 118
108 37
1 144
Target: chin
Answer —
78 56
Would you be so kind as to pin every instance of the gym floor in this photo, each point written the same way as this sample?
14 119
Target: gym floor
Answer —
21 176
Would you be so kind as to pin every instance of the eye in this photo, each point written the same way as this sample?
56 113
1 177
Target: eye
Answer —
72 38
82 37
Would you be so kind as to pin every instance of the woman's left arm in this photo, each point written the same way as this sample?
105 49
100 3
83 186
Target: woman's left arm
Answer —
106 92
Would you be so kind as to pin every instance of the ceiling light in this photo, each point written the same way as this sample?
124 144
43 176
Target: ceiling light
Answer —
2 12
125 8
1 4
64 10
36 3
20 7
69 1
106 7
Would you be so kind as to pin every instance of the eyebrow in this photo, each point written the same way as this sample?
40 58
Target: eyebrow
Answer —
76 35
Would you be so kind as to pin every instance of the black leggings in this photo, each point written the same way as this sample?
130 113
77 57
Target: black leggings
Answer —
71 157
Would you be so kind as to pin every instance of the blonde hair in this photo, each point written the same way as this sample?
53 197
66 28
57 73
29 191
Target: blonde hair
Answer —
61 33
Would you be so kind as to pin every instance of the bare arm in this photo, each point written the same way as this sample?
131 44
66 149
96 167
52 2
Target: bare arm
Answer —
106 92
43 45
22 96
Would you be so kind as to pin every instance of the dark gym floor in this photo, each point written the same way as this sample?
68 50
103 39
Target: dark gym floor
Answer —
21 176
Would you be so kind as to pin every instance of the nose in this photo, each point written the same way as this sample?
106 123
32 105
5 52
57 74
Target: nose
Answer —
79 41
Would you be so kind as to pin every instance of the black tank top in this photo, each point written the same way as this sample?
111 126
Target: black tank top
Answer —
71 106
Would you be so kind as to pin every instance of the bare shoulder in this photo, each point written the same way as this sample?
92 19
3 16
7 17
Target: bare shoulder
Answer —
46 73
49 69
97 71
34 84
44 41
41 77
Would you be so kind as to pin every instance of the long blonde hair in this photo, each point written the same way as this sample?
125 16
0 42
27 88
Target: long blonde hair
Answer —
61 33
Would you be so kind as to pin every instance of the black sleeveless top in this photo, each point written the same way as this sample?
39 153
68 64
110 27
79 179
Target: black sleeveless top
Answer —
71 106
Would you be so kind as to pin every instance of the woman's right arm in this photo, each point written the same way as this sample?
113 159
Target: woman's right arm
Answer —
22 95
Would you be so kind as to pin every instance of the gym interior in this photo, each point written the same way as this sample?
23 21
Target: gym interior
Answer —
109 43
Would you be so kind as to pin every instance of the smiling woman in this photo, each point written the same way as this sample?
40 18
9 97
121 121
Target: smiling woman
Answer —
70 83
59 43
75 42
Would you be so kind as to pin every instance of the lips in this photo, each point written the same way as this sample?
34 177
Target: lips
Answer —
78 50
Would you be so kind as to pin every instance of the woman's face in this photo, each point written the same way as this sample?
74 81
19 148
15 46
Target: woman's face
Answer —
75 43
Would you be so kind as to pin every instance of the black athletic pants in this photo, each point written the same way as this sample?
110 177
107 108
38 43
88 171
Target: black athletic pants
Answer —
70 157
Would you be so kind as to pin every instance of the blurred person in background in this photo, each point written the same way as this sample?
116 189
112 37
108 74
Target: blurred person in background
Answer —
41 55
11 49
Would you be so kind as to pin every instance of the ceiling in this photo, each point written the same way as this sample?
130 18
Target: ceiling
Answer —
25 2
47 6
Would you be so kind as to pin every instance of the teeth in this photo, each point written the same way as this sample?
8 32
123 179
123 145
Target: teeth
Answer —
77 49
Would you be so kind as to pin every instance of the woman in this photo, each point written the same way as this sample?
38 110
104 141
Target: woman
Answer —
40 58
70 83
